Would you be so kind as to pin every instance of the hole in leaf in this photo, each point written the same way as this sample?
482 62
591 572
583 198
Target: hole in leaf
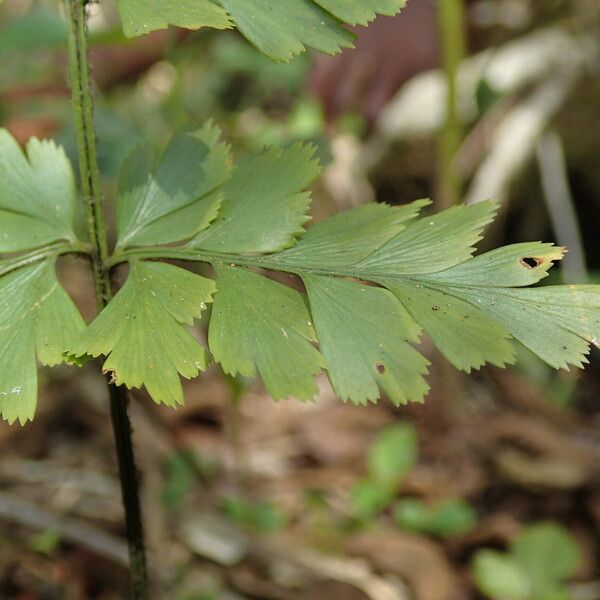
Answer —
380 368
531 262
111 374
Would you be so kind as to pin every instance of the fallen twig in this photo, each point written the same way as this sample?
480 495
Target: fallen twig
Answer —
78 532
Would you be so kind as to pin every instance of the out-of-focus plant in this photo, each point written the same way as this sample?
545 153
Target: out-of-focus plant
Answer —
537 566
264 517
181 476
391 457
445 518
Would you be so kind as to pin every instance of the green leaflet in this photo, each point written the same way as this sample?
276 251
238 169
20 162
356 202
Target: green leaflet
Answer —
37 318
265 206
285 30
144 16
260 325
142 331
37 195
178 197
348 237
362 333
558 323
516 265
431 244
463 334
361 12
278 30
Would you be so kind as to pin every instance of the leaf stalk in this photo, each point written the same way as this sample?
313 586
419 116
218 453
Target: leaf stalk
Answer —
239 260
53 250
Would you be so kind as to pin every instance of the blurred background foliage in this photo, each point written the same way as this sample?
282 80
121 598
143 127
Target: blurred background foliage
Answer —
490 489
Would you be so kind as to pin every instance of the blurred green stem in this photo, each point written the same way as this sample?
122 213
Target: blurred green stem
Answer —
233 434
83 113
561 206
452 19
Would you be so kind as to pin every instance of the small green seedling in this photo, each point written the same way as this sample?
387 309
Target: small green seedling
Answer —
181 477
46 541
391 457
264 517
444 519
537 566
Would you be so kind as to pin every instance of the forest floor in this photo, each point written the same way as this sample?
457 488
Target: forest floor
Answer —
247 498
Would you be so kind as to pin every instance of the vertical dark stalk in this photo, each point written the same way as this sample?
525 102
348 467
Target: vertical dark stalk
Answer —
83 111
451 17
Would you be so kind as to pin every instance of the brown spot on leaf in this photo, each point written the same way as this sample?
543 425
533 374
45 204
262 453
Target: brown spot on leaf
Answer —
380 368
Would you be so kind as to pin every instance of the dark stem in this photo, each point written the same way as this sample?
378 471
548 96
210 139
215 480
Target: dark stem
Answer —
129 491
83 111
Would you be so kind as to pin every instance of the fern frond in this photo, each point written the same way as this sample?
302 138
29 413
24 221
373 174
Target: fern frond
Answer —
376 277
